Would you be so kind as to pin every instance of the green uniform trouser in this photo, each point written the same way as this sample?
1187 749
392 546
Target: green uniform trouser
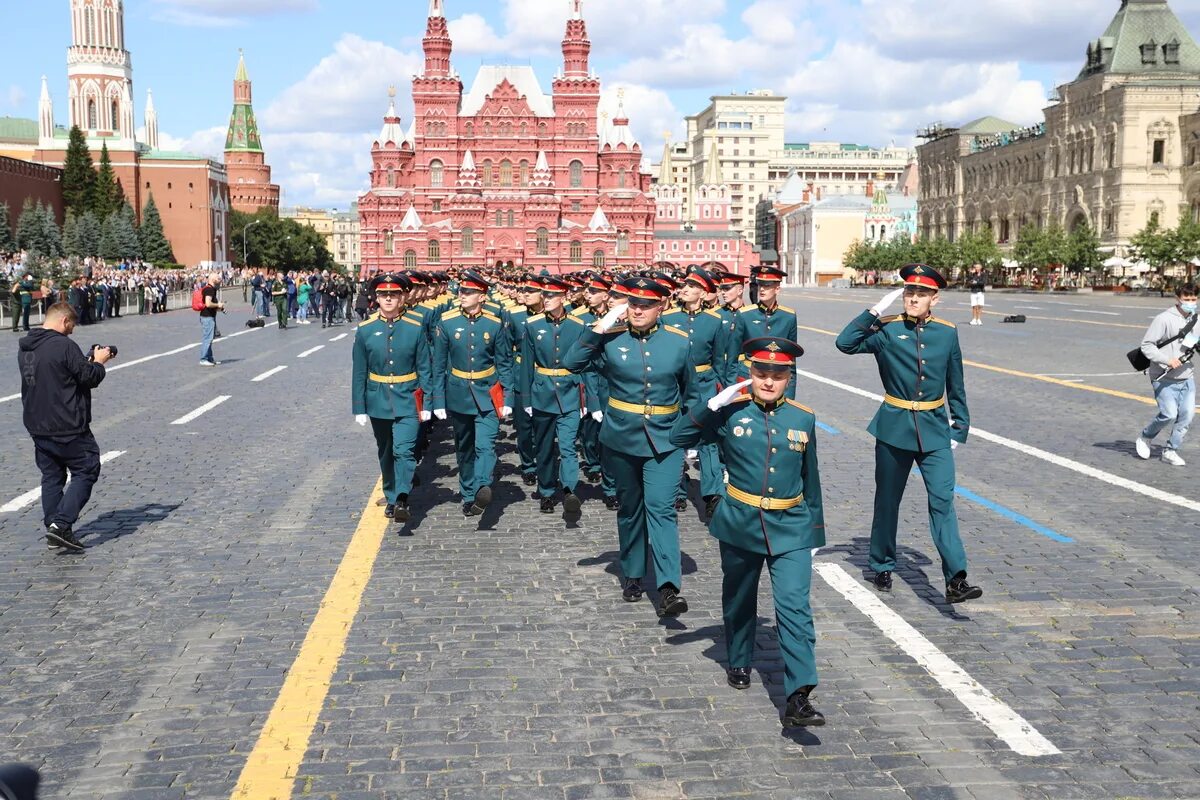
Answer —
475 449
14 309
556 433
892 468
281 310
791 578
591 451
396 440
525 450
646 488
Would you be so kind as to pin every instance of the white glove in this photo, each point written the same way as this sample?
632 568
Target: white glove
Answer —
440 413
528 411
361 419
598 416
426 416
582 413
505 412
726 396
611 317
886 303
953 445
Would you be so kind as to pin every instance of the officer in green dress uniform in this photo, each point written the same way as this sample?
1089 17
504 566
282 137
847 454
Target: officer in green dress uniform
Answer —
770 512
920 363
651 380
596 295
731 289
529 296
26 288
708 339
551 393
765 318
279 297
391 361
471 354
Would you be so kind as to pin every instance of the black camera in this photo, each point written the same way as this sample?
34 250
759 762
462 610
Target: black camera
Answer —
110 347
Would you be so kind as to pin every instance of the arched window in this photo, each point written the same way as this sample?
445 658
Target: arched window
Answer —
499 218
437 173
511 218
524 174
389 243
576 252
410 259
621 178
92 122
487 173
116 116
435 252
543 242
506 173
469 130
576 174
90 20
391 178
468 241
623 243
598 259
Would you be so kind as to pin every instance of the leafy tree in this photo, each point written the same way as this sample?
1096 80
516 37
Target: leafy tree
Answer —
1155 246
1027 249
1083 250
51 235
979 248
280 243
939 253
155 247
1186 239
79 176
29 228
1054 247
107 194
88 232
7 242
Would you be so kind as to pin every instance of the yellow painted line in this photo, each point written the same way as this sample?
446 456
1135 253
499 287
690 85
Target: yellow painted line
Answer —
816 330
998 314
270 771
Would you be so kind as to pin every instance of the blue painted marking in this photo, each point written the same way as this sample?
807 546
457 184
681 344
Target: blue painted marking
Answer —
1008 513
829 429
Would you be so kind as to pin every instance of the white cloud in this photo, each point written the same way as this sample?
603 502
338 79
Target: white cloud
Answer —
327 170
650 112
224 13
16 96
472 34
208 142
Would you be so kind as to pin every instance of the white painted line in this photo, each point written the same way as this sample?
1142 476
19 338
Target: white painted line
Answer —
339 337
1031 308
33 495
267 374
204 409
249 330
1057 460
1007 724
309 352
10 397
1105 313
144 359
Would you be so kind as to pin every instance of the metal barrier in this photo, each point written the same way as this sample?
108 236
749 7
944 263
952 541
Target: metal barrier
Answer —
181 298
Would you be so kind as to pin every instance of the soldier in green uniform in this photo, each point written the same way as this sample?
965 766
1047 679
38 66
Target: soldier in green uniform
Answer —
471 354
765 318
731 289
770 512
14 302
551 393
651 380
279 297
391 362
529 296
920 363
25 290
708 340
596 295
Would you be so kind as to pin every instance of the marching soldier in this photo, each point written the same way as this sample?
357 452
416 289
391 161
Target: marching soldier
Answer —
771 512
529 295
708 340
765 318
472 355
552 395
651 379
731 289
279 297
391 362
596 294
920 363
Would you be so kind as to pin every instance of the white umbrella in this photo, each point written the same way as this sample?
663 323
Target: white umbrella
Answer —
1116 261
1009 263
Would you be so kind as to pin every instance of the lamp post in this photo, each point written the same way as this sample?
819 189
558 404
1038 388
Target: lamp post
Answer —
245 241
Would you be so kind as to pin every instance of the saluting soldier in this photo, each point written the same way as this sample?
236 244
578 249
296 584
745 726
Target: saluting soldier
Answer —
596 295
391 362
771 513
472 354
765 318
552 396
279 296
920 363
529 296
651 380
708 339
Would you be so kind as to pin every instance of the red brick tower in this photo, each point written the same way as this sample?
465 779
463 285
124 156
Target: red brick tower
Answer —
250 186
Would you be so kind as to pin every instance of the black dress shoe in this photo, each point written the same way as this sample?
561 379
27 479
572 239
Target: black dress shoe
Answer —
738 677
546 505
710 505
529 480
958 590
800 712
483 499
612 503
670 604
632 591
883 581
401 513
681 504
62 536
571 503
389 510
593 476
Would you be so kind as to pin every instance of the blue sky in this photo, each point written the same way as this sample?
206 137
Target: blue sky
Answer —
868 71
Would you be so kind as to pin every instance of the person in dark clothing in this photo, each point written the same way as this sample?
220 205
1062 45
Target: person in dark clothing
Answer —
56 393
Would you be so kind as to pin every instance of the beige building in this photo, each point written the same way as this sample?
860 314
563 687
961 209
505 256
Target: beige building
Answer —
1116 148
746 133
340 230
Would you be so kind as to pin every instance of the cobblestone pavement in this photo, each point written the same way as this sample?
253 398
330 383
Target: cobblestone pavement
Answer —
493 657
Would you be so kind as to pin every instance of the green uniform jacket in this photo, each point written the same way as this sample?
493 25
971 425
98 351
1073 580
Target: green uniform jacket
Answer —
754 322
470 345
729 359
388 349
544 345
653 369
708 340
595 387
918 361
26 289
279 291
769 453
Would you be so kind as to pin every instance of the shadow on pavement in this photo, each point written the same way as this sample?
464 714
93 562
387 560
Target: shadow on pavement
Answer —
910 564
116 524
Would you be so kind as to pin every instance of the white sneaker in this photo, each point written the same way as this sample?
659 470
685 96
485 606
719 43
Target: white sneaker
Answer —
208 363
1142 445
1172 458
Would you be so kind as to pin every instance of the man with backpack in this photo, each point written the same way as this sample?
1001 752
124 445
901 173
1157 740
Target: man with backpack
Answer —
204 300
1166 343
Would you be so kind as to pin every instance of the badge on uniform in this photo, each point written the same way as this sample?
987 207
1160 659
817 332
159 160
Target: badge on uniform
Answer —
798 440
739 431
487 336
624 353
902 336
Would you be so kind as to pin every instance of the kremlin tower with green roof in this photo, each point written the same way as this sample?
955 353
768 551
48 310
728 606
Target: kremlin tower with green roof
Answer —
250 186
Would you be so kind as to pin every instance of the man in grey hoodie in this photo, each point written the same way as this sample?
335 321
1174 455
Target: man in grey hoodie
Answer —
1170 376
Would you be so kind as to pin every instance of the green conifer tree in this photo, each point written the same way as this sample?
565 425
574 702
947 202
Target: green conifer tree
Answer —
127 234
87 232
8 242
79 175
29 227
70 234
106 189
110 241
51 234
155 247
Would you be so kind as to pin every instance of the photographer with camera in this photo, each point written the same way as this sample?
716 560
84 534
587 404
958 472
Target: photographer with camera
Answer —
208 318
1168 346
56 393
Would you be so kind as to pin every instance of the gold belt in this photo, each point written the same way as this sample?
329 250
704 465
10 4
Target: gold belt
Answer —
473 376
703 368
412 376
553 373
914 405
649 411
763 503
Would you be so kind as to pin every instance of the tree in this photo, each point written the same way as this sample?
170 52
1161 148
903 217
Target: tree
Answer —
107 194
281 243
1054 247
118 237
79 176
88 232
979 248
1083 250
1186 240
939 253
1027 249
7 242
155 247
1154 245
130 245
70 235
51 235
29 227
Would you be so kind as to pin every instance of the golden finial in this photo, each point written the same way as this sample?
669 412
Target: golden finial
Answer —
391 91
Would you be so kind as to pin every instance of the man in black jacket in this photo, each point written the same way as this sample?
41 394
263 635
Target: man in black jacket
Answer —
56 392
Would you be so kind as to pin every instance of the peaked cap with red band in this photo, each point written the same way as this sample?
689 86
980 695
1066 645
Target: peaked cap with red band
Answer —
922 275
390 282
701 278
768 274
644 289
772 351
727 279
552 285
473 280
